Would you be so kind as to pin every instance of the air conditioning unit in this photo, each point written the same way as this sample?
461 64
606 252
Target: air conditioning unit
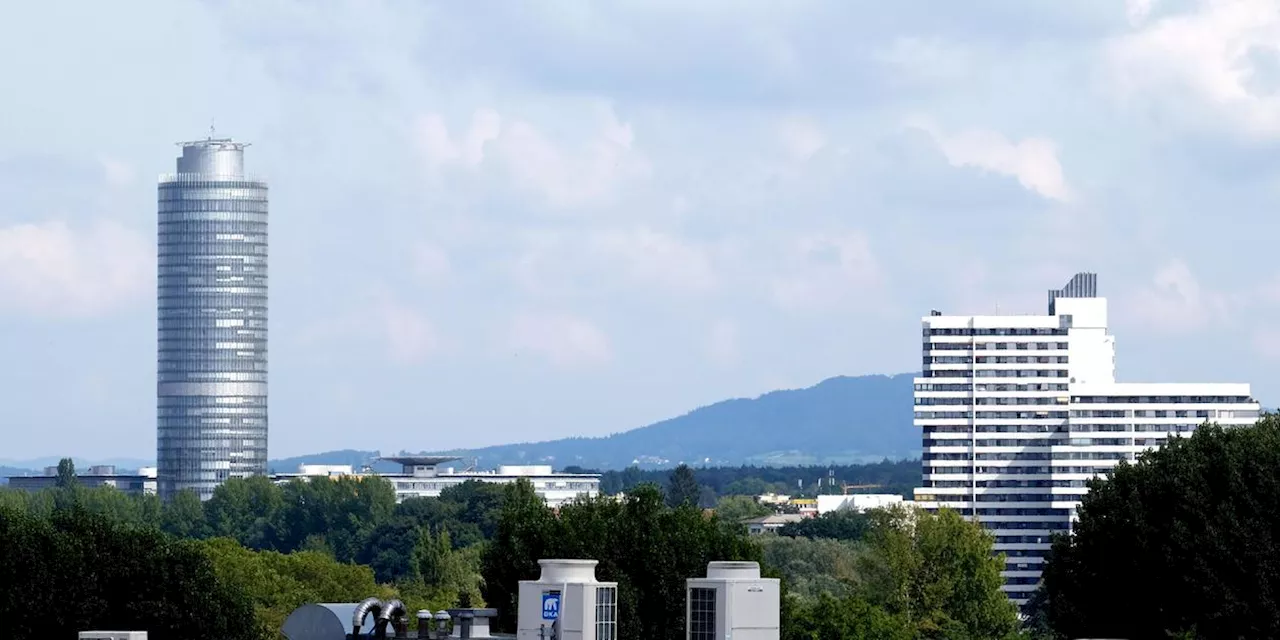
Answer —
733 601
113 635
567 603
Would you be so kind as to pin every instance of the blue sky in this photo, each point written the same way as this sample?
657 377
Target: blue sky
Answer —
509 221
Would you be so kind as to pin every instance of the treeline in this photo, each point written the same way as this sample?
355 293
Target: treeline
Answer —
256 551
886 476
304 541
910 575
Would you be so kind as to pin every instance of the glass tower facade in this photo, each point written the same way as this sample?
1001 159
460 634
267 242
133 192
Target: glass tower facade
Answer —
211 384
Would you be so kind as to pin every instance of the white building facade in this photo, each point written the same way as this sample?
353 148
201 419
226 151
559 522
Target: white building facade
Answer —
422 477
1018 412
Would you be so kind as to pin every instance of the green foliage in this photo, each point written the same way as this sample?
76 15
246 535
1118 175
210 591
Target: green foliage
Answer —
184 515
847 618
1186 540
937 570
102 574
843 524
278 583
389 551
913 575
67 475
811 568
888 476
644 545
682 488
734 509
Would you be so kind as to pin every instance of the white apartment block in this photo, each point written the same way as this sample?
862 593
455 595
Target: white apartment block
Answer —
1018 412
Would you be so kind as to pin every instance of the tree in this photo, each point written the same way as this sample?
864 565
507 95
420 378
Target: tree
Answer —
526 533
844 618
68 488
246 509
277 583
1186 538
389 550
183 516
811 568
842 524
682 487
734 509
109 575
67 475
938 572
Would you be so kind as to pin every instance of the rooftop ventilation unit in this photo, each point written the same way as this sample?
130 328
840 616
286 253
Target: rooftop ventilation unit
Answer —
113 635
567 603
733 601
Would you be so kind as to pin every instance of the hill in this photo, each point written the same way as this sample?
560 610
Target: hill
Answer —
837 421
840 420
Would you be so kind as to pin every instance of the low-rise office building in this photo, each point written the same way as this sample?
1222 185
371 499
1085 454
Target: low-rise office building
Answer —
423 476
143 482
858 502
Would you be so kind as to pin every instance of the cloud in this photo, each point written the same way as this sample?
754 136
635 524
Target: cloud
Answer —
1138 10
118 174
1218 56
652 257
439 147
406 334
410 336
53 269
820 269
562 339
1175 303
572 260
566 175
722 343
1033 161
431 264
801 137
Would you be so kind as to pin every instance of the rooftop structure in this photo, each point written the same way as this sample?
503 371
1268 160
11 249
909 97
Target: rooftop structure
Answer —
733 601
1018 412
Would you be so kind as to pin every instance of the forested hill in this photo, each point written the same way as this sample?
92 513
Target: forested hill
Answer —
842 420
839 420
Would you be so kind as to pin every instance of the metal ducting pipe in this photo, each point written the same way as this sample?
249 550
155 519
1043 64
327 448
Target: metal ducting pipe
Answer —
424 624
393 612
442 624
464 622
367 606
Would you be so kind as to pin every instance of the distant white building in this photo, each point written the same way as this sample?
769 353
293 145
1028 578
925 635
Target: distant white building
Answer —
141 483
771 523
421 476
857 502
1018 412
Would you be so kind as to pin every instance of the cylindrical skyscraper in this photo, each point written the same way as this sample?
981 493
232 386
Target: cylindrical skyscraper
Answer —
211 384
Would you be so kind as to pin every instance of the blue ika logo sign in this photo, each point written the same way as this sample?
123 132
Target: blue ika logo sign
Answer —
550 606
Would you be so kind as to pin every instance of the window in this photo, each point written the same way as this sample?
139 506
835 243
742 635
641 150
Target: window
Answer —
702 613
606 613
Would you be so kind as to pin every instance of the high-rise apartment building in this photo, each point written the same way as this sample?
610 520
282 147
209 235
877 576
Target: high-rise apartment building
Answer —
1018 412
211 385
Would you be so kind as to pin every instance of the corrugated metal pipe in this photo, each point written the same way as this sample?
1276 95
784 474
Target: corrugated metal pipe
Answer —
393 612
424 624
366 606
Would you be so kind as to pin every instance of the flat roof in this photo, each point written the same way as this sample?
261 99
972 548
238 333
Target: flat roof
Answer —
420 461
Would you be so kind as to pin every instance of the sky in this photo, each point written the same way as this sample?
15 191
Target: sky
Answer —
496 222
